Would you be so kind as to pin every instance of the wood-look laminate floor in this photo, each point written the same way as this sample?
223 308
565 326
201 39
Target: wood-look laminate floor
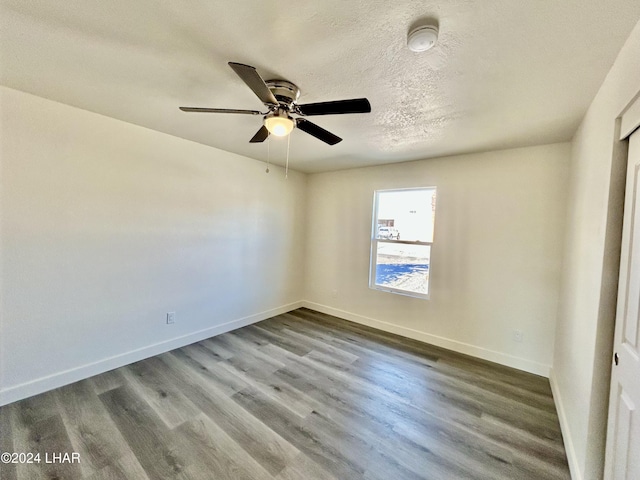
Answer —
301 396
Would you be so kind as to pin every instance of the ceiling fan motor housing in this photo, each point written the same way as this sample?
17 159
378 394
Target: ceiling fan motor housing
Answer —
285 92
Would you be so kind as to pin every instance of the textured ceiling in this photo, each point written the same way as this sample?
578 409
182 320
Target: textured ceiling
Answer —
505 73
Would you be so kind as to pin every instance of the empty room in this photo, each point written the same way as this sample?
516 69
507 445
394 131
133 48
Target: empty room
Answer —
337 240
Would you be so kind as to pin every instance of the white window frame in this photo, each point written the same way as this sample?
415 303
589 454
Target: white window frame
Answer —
375 241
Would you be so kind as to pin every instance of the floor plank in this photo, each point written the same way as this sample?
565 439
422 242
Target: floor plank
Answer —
214 454
91 431
147 435
263 444
302 395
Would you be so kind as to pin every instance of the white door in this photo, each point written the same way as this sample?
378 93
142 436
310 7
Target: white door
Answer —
623 435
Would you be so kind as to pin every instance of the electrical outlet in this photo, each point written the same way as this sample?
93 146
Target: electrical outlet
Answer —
171 318
517 336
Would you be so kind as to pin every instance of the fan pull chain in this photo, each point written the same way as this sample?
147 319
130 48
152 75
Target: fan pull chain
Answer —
286 171
268 151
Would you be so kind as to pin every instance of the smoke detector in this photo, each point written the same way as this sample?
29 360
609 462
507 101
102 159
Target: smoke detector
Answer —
422 38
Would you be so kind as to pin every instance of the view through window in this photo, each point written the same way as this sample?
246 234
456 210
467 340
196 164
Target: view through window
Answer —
401 240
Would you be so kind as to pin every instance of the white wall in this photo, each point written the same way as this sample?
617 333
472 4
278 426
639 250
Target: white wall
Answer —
582 360
495 262
106 226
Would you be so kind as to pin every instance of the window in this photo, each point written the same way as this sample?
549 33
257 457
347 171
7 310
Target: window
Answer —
401 240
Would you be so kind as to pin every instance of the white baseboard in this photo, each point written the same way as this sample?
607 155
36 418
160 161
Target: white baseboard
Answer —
564 427
43 384
456 346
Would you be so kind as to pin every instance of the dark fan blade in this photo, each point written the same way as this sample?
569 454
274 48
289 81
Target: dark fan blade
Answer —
254 81
316 131
357 105
219 110
260 136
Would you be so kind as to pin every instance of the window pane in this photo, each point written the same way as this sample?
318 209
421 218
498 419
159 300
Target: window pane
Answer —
401 266
406 215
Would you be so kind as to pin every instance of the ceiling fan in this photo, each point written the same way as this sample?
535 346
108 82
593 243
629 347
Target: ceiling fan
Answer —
280 96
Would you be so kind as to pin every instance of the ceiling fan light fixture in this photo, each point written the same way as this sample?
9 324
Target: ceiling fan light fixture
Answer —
279 124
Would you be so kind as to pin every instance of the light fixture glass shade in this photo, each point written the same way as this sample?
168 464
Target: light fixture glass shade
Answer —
280 126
